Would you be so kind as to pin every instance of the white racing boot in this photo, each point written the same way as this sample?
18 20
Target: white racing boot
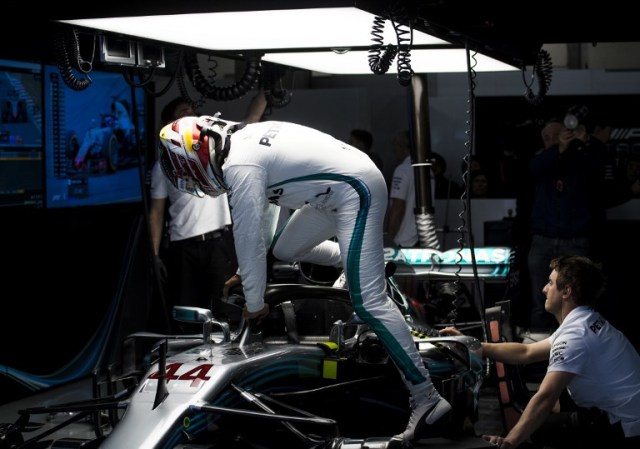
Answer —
426 408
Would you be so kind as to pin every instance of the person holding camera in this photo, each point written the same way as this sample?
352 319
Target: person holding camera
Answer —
568 205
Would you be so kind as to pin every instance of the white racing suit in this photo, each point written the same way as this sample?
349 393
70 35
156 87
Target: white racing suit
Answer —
336 190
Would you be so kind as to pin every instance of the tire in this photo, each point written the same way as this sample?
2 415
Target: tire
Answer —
72 145
110 152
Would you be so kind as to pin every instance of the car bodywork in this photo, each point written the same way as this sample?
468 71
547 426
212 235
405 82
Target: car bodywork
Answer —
311 375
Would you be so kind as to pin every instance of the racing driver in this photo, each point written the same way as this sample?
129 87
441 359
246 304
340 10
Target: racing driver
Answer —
336 191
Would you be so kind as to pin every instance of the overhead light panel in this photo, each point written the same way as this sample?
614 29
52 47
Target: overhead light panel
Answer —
256 30
326 40
357 63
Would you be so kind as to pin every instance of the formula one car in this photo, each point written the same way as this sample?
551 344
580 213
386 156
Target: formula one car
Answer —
98 151
310 375
107 145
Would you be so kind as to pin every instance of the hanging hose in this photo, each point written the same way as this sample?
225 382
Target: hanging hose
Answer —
426 224
542 71
405 72
380 64
208 89
184 91
64 63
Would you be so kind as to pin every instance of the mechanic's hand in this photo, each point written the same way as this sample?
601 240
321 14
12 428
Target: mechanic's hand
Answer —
499 442
258 316
450 330
229 284
160 269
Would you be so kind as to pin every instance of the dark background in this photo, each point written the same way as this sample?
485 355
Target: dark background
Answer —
513 124
64 269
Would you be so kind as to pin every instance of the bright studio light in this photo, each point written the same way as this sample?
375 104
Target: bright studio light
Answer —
269 31
357 62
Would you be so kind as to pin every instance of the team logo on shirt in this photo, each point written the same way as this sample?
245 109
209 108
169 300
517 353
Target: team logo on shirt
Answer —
597 325
557 351
275 198
271 134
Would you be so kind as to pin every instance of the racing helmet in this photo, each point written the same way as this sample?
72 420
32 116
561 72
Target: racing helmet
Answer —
193 150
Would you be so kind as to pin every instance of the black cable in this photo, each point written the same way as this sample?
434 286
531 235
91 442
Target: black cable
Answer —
81 64
405 72
542 71
208 89
145 83
64 63
130 73
380 64
184 92
471 240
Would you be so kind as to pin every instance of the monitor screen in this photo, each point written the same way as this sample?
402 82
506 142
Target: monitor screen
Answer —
21 152
95 140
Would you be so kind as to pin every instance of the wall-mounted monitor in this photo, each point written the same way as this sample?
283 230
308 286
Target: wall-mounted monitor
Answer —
150 56
95 140
117 51
21 151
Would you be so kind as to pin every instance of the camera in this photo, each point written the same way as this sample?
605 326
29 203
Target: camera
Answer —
575 116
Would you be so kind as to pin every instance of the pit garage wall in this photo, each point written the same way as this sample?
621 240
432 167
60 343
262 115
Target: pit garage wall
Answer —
75 282
62 270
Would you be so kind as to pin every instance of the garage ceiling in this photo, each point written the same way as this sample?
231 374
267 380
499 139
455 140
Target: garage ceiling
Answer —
518 29
510 31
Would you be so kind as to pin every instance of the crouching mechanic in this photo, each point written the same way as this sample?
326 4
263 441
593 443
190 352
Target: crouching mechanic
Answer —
594 361
335 190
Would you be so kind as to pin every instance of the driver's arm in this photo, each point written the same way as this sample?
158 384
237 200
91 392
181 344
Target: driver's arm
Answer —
249 206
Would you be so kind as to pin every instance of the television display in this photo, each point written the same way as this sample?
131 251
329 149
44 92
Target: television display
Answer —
95 140
21 151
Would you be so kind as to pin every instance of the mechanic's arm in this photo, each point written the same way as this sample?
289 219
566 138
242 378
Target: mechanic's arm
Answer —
536 411
517 353
396 212
256 108
156 222
511 353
